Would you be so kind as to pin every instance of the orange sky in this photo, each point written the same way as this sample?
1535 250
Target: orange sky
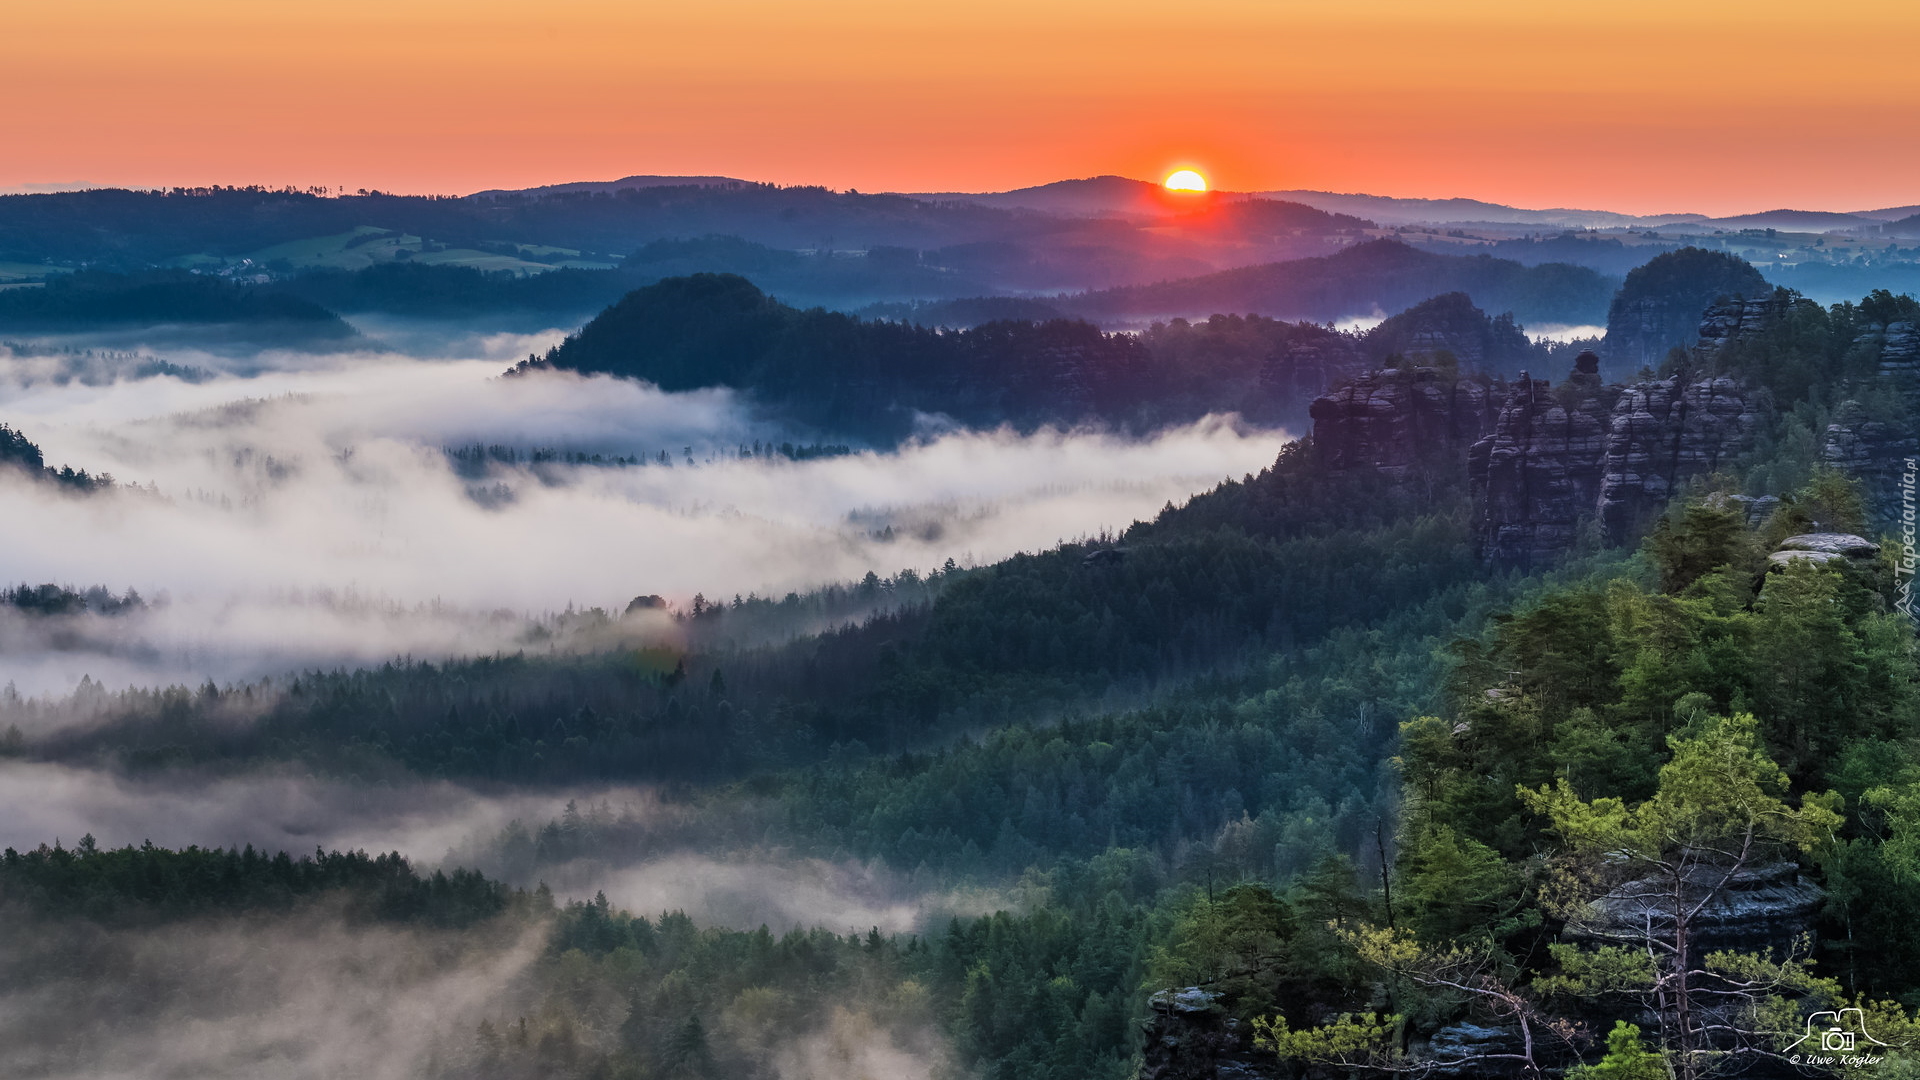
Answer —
1624 104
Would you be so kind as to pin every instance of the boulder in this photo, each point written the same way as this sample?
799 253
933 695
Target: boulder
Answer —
1822 548
1189 1001
1764 908
1831 543
1190 1037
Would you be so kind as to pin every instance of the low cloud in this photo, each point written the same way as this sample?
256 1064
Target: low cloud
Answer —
285 996
780 893
654 856
278 811
855 1044
307 513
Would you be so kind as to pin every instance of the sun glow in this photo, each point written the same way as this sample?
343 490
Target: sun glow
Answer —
1185 180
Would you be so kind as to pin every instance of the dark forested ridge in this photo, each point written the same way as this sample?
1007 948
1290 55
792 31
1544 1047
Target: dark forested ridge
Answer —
19 454
1380 275
857 247
1658 307
88 300
846 373
135 885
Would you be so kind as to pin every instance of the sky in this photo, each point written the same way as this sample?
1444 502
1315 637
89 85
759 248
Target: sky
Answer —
1646 106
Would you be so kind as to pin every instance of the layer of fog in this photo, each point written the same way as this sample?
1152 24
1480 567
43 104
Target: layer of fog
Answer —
784 893
297 997
312 995
303 511
41 802
1360 324
1561 333
645 854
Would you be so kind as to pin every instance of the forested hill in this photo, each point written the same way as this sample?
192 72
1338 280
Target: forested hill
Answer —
1381 275
92 299
873 377
19 454
852 375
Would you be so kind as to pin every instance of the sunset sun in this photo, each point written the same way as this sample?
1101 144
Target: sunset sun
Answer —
1185 180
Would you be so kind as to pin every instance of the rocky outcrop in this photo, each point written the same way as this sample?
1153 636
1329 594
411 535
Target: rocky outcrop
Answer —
1461 1049
1538 474
1900 350
1762 909
1727 323
1823 548
1556 459
1544 461
1190 1037
1875 446
1661 434
1395 421
1540 461
1862 447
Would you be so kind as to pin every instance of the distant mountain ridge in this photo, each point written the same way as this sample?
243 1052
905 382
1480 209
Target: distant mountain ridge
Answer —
1377 276
625 183
1123 195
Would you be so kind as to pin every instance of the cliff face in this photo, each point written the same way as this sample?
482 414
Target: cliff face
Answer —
1392 422
1728 322
1662 433
1192 1038
1900 350
1544 461
1874 445
1615 454
1538 474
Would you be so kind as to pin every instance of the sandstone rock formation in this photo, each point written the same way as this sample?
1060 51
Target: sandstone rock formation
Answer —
1661 434
1395 421
1538 475
1900 350
1764 908
1543 462
1556 459
1875 446
1191 1038
1729 322
1823 548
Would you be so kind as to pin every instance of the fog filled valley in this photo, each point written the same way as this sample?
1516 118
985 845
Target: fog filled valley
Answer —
1074 634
